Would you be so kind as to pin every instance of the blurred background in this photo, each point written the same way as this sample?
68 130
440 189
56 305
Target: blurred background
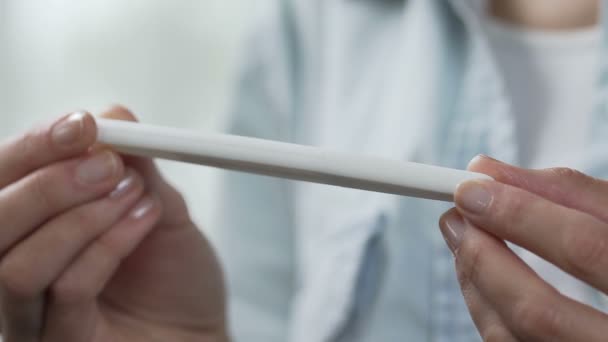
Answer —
171 62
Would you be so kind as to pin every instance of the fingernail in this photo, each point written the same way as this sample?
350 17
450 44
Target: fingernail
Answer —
143 208
124 186
98 168
69 130
473 196
453 228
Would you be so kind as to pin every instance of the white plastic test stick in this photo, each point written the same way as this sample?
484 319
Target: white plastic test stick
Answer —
284 160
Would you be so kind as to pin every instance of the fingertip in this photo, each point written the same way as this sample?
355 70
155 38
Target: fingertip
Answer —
463 187
477 159
89 128
452 226
119 112
99 168
148 207
131 183
496 169
482 162
475 197
72 132
447 215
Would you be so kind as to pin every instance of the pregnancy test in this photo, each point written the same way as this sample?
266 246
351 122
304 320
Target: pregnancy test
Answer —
278 159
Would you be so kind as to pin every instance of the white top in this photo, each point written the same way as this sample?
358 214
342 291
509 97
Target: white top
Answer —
310 263
550 78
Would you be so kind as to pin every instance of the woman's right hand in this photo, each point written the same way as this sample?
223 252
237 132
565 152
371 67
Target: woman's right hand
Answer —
97 247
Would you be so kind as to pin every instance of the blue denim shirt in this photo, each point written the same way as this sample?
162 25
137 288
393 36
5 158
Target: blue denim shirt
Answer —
402 79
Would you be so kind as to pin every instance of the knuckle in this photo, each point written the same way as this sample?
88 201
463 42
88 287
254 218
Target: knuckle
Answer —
27 143
67 291
15 281
468 262
532 318
40 189
517 212
121 111
512 208
25 146
565 172
586 251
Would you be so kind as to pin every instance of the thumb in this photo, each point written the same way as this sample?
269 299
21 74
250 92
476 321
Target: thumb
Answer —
174 207
563 186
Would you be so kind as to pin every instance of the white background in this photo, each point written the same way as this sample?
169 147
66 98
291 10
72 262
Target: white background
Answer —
171 62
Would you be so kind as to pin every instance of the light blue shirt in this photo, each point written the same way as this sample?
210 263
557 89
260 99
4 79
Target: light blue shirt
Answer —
402 79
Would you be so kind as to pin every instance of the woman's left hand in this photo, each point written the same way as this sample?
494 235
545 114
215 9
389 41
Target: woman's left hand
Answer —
560 215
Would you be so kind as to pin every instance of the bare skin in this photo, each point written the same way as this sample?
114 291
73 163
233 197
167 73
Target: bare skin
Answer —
97 247
547 14
558 214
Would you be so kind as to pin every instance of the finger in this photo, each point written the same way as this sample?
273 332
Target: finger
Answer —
33 264
30 267
175 207
47 192
72 301
68 137
486 319
564 186
488 322
529 307
575 241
